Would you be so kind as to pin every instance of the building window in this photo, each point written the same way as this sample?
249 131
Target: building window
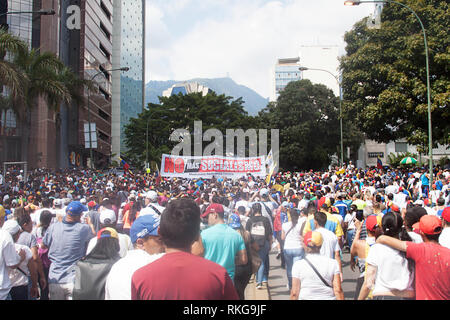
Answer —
105 10
401 147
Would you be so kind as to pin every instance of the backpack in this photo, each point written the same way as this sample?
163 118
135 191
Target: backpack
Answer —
258 232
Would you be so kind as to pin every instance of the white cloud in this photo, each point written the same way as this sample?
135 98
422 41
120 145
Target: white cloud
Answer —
245 41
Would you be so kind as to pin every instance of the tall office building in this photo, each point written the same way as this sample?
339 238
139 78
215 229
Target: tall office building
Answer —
286 70
128 96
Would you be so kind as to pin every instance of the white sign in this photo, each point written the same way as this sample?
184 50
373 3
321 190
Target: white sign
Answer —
206 167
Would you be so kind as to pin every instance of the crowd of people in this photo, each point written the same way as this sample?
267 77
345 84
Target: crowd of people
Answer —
91 235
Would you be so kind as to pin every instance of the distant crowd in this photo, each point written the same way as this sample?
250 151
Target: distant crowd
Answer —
91 235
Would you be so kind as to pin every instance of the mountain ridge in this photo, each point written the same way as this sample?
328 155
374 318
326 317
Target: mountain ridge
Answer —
253 102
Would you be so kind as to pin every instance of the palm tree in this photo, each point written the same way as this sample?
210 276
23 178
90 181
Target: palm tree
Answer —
10 75
31 74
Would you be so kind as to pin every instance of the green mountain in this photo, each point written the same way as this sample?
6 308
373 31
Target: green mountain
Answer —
253 102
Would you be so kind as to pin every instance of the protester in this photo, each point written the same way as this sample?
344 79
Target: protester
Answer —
292 236
148 247
389 274
151 204
444 238
45 219
261 234
25 273
91 271
180 275
431 259
107 219
316 277
243 272
66 242
361 248
221 243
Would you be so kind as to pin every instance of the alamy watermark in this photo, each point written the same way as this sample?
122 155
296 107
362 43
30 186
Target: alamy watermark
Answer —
235 143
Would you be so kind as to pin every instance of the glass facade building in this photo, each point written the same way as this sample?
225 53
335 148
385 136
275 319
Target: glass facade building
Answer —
286 70
129 45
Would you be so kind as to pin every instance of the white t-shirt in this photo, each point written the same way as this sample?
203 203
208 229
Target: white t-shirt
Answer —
444 238
8 257
293 239
392 269
16 277
416 238
124 243
311 287
149 210
118 282
330 243
349 218
400 200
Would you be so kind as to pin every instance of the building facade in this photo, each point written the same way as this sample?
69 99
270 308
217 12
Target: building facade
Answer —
286 70
128 96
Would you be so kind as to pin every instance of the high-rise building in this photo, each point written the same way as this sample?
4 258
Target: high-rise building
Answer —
128 96
323 57
286 70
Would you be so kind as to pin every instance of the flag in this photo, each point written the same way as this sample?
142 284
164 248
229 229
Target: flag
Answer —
158 176
379 163
125 165
269 176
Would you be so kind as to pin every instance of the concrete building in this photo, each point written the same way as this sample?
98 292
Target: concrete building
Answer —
286 70
323 57
81 34
371 150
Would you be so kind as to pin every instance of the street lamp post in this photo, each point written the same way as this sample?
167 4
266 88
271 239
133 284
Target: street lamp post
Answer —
430 138
89 107
42 12
146 145
340 105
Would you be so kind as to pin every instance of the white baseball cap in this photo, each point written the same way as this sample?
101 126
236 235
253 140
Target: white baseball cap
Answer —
107 216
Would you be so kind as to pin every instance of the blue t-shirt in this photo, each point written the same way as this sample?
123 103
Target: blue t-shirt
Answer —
424 179
66 243
221 243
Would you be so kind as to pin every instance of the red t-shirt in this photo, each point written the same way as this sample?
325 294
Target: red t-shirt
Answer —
182 276
432 270
277 221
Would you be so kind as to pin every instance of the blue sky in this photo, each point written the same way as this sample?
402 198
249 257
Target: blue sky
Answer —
239 38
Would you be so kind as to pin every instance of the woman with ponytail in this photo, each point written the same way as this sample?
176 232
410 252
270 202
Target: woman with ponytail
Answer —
390 275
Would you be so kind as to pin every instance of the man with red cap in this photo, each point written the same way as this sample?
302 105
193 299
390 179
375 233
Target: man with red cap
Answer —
431 259
444 238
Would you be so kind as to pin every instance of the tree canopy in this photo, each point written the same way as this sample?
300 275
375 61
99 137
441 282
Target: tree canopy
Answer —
384 74
307 116
180 112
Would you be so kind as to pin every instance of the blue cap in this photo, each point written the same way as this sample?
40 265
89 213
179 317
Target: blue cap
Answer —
76 208
146 225
234 221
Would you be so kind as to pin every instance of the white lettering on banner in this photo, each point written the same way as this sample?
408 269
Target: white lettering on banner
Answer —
211 166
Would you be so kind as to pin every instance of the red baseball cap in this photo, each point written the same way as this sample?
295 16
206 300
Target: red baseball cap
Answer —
213 208
446 214
428 224
372 222
395 208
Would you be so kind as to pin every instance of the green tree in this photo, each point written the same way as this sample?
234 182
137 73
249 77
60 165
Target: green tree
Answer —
384 74
179 112
307 116
10 75
30 74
